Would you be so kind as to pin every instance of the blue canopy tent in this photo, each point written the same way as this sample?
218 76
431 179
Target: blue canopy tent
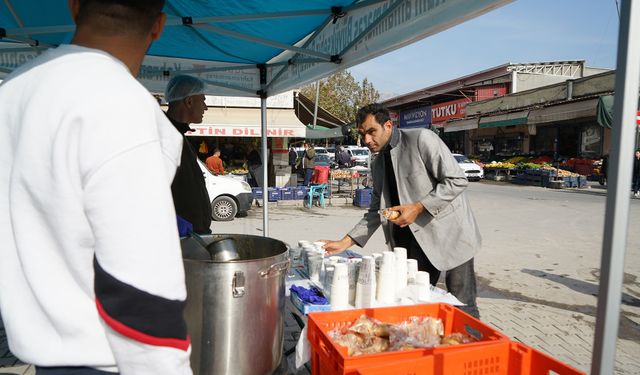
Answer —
250 48
258 49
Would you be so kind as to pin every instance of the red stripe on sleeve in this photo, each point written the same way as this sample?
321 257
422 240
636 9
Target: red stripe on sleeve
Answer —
139 336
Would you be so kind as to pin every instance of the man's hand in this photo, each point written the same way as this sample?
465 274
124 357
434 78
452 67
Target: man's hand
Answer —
336 247
408 213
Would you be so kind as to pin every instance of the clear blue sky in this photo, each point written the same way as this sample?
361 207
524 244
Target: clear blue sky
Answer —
519 32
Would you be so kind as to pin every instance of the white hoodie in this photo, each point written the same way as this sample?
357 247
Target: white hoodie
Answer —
87 161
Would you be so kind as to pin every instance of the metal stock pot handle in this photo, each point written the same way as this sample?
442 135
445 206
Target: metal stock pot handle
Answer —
275 269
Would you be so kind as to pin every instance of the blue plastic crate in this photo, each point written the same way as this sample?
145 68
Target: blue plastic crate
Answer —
362 197
286 194
257 192
300 192
274 194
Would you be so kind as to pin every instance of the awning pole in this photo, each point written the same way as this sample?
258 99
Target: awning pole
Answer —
315 107
265 168
618 191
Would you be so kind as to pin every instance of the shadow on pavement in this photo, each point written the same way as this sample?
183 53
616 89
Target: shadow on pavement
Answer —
579 285
628 329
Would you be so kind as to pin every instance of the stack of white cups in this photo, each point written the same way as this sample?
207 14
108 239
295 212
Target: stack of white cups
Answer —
401 268
386 283
314 261
353 267
328 279
423 286
340 287
412 269
377 260
366 286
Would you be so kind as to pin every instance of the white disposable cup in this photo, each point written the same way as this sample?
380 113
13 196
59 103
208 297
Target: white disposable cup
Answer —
366 286
315 267
340 287
401 267
423 286
328 279
412 269
302 243
400 253
319 245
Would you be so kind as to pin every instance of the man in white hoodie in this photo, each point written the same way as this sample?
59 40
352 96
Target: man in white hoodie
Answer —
91 275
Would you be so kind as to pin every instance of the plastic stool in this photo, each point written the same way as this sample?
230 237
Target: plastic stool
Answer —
317 191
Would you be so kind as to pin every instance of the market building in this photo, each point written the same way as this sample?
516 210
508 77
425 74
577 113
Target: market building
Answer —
233 125
488 131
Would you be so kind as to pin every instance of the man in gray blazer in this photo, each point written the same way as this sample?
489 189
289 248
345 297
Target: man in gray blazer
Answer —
415 174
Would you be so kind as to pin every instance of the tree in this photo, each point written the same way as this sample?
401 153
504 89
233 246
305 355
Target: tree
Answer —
341 95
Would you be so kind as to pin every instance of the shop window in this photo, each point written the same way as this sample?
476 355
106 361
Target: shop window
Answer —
591 141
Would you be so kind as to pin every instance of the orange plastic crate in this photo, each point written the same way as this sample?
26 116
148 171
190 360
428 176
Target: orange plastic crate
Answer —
488 356
528 361
522 360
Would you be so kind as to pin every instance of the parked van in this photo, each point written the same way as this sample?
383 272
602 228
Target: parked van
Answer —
359 156
229 197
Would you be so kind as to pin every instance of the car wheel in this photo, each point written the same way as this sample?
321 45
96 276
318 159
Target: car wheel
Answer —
224 209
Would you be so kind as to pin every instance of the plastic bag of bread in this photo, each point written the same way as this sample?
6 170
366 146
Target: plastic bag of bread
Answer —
417 332
370 327
371 345
352 341
456 339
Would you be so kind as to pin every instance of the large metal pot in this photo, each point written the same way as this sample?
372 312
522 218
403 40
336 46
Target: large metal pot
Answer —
235 308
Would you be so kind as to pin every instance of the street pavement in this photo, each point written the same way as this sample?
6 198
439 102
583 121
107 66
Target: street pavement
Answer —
538 270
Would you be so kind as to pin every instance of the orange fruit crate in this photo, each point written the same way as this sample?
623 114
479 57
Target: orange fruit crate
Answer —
528 361
488 356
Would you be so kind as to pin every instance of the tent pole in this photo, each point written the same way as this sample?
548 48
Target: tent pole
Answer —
265 168
315 107
617 210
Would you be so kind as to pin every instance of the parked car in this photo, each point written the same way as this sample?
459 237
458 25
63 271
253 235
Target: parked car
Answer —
359 156
332 153
472 170
324 160
229 197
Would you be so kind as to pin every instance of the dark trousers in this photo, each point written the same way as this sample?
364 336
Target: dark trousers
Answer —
636 184
308 173
71 371
460 281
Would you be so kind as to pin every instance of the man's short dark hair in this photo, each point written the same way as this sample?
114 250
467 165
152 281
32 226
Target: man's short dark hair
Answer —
378 111
120 16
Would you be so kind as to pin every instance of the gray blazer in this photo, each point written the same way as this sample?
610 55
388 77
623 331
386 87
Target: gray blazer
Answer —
425 171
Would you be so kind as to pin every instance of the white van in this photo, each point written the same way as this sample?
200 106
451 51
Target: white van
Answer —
359 156
229 197
471 170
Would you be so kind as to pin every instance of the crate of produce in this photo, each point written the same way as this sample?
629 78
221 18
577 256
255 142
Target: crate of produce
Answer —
257 192
286 193
300 192
274 194
488 353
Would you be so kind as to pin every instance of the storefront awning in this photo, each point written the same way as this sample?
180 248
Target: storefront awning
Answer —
563 112
245 122
509 119
454 126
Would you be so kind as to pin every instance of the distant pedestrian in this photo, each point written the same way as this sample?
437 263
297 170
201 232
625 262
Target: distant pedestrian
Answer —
636 175
214 163
293 159
343 157
254 162
308 162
